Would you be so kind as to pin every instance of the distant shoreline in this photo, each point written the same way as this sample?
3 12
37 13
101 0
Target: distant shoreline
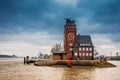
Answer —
9 56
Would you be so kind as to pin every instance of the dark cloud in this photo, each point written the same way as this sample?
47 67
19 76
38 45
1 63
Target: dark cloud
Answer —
108 13
104 13
115 37
48 15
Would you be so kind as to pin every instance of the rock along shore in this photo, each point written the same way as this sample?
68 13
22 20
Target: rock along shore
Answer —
95 63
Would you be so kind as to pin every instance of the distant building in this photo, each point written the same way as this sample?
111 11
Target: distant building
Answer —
79 46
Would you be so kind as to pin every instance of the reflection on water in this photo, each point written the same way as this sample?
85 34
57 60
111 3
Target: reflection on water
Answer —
78 73
16 70
111 73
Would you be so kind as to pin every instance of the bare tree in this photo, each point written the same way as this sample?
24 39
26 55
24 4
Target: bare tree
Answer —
57 47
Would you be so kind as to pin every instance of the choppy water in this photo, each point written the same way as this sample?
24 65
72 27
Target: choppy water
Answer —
14 69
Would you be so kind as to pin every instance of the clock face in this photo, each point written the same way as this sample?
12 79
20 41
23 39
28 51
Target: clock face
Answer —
71 36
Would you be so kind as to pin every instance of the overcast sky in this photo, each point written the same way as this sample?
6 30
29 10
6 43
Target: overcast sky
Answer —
30 26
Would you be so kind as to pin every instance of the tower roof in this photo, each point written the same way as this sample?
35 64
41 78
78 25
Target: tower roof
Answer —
68 20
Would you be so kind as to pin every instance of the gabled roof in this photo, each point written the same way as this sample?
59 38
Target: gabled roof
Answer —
83 39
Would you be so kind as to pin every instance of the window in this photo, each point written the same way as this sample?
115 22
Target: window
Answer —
80 54
88 44
90 54
83 44
86 48
75 54
80 49
86 54
83 49
80 44
90 49
83 54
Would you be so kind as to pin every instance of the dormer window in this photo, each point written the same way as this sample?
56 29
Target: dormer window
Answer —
83 44
80 44
89 44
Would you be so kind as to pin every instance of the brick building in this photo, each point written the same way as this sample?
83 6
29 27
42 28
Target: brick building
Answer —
79 46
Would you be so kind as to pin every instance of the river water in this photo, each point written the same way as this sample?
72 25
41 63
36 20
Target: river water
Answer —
14 69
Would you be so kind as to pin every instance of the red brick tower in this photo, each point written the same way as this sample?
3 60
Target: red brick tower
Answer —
69 34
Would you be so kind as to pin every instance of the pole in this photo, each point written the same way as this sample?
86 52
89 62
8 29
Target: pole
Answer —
69 61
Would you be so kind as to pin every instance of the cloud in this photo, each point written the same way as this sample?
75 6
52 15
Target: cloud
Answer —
85 26
72 3
30 14
27 43
104 45
107 12
115 37
22 22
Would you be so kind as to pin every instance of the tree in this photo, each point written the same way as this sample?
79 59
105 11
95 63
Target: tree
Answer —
57 47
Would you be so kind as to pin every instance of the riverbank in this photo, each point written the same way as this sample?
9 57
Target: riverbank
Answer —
95 63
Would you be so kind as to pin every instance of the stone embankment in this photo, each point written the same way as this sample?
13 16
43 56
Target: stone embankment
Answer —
96 63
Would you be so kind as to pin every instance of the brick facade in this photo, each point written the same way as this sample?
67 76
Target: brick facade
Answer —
79 46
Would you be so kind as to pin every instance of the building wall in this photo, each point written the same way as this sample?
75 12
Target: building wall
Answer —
59 57
56 57
84 54
69 27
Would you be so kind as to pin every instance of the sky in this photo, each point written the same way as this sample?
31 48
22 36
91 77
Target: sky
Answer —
30 26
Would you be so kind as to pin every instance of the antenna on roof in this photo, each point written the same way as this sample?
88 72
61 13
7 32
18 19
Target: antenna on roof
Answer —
70 18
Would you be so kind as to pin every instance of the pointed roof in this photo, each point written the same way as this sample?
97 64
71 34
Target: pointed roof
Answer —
83 39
